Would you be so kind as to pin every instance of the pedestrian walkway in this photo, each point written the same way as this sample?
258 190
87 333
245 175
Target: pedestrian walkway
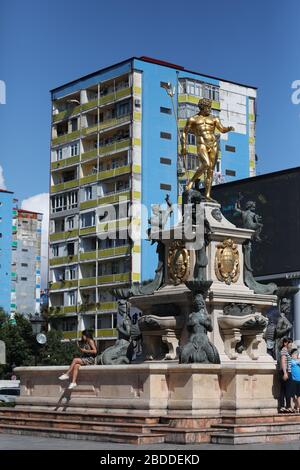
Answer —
16 442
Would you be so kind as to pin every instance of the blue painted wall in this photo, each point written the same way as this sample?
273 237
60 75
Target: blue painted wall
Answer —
154 147
6 208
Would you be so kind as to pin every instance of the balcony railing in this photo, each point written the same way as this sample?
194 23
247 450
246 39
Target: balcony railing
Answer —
65 162
63 235
105 125
66 138
63 260
106 333
109 199
64 284
105 253
62 186
102 175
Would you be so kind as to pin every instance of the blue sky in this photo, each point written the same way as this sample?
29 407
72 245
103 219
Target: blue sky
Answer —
46 43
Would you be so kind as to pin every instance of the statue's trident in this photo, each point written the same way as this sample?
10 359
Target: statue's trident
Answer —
171 92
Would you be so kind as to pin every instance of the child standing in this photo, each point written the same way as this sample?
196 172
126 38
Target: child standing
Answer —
295 372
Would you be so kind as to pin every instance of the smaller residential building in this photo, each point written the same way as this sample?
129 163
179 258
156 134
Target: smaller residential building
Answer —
6 216
26 262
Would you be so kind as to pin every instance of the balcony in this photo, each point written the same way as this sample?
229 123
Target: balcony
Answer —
87 282
63 260
109 199
114 147
102 175
88 255
70 335
108 306
109 123
106 333
111 278
90 154
117 95
63 235
62 186
64 284
62 139
185 98
66 114
105 253
87 230
65 162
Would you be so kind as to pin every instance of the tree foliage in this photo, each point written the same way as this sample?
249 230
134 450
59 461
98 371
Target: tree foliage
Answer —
22 348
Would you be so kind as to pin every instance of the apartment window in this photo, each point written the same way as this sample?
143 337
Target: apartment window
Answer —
72 274
165 161
166 187
166 135
65 201
23 278
229 148
164 84
123 109
88 193
55 250
88 219
71 298
191 139
211 92
74 124
24 265
74 149
71 249
165 110
230 172
192 162
70 223
24 249
59 154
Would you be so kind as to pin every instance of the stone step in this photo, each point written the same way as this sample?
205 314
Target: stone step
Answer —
276 418
73 415
258 427
126 426
101 436
254 438
177 435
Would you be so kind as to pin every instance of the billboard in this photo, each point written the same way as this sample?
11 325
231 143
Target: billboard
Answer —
277 197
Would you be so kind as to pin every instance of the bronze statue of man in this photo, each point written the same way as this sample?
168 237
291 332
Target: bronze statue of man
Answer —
204 126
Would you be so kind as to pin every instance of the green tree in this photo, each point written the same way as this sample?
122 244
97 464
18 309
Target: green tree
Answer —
55 352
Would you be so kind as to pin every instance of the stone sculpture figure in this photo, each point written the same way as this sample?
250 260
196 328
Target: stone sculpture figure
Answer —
198 348
122 351
284 326
252 221
204 126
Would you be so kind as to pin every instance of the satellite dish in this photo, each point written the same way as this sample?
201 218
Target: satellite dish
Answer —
41 338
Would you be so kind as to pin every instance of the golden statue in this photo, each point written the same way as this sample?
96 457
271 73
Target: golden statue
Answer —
204 125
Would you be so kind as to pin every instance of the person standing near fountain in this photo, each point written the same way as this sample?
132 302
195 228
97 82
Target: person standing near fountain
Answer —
285 377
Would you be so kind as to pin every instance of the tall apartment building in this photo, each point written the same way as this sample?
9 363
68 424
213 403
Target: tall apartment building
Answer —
6 217
26 262
115 142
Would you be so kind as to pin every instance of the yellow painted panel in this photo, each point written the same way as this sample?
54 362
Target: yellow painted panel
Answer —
136 141
136 276
104 333
137 116
137 90
136 168
136 195
70 334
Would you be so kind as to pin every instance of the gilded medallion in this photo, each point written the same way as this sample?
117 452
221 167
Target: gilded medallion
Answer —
178 262
227 264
